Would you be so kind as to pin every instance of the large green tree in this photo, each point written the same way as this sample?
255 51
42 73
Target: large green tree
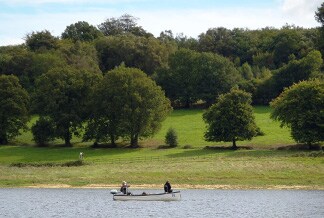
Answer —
301 107
145 53
193 76
125 24
128 103
42 40
62 95
14 102
293 72
319 16
81 31
231 118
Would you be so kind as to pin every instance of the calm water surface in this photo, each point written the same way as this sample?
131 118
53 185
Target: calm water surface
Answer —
194 203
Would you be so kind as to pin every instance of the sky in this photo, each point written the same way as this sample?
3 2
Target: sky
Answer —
188 17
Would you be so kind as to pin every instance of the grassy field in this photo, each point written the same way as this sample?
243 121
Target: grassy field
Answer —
190 128
262 167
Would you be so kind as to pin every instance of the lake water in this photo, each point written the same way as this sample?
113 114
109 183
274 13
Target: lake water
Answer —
21 202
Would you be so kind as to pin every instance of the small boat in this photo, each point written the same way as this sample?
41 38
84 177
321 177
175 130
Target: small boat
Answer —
172 196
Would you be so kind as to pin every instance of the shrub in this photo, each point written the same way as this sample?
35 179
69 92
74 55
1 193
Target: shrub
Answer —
171 138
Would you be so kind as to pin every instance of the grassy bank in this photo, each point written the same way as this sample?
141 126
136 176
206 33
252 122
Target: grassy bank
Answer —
262 167
252 168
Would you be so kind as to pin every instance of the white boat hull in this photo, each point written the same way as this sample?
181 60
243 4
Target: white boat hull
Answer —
173 196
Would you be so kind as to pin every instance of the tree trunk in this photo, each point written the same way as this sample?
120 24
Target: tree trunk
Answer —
113 140
3 139
234 147
67 138
134 141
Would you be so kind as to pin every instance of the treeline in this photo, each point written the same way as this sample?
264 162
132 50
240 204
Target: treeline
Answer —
261 62
61 74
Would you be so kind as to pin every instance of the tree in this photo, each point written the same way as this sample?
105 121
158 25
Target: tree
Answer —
246 71
300 107
80 55
293 72
14 104
290 40
43 131
193 76
129 104
231 118
62 95
81 31
145 53
41 40
123 25
319 14
171 138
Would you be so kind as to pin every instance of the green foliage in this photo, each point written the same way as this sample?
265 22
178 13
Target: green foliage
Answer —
127 103
62 95
246 71
301 108
294 72
42 40
171 138
125 24
43 131
14 106
145 53
81 56
319 14
231 118
193 76
81 31
290 41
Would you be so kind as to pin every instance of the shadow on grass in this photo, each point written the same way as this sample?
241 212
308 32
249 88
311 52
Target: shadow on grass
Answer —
301 147
195 153
186 112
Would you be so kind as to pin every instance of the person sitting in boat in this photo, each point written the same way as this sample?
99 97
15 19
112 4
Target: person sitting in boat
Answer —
167 187
124 188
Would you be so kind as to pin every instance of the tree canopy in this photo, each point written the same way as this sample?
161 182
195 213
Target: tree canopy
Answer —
123 25
14 106
81 31
127 103
42 40
301 107
231 118
193 76
62 95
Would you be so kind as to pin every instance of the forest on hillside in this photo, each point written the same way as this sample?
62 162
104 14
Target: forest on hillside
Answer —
189 71
262 62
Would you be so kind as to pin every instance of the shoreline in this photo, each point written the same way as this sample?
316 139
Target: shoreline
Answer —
179 186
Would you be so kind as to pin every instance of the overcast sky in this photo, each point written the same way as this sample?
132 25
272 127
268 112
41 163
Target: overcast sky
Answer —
190 17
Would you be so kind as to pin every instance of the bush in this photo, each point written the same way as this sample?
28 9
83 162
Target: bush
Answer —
43 131
171 138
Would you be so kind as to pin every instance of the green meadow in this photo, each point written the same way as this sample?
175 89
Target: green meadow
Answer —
264 166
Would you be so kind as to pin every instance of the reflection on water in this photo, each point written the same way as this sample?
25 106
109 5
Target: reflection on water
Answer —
194 203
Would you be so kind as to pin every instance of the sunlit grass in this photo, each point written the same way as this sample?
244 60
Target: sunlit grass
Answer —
261 167
255 168
190 129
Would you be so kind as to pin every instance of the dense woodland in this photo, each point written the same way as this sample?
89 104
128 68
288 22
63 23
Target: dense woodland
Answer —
190 71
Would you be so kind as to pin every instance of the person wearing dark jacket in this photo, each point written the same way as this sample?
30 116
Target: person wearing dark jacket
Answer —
167 187
124 188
